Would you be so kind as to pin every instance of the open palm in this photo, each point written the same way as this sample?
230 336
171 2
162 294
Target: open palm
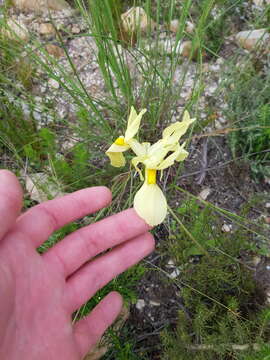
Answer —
38 293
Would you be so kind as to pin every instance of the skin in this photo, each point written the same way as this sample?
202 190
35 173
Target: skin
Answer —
38 293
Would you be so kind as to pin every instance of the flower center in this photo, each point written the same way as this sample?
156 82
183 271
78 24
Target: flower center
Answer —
120 141
151 176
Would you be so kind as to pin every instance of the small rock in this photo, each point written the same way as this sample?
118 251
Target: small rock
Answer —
170 264
267 180
268 297
218 124
55 50
220 61
41 5
40 187
251 39
206 67
46 29
154 303
16 30
185 48
267 205
174 274
182 48
140 304
189 27
226 228
256 260
267 220
261 2
163 35
174 25
136 19
75 29
203 195
54 83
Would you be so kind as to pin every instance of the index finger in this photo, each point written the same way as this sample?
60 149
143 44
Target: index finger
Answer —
42 220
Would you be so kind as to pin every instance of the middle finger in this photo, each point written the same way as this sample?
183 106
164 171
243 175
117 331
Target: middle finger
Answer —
79 247
82 285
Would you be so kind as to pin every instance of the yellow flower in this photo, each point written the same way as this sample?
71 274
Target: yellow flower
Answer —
121 144
150 202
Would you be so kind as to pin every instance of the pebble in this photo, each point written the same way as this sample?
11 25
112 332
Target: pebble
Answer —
203 195
174 25
190 27
40 6
251 39
186 48
170 264
182 48
154 303
35 183
55 50
174 274
75 29
226 228
54 83
261 2
16 30
136 19
140 304
46 29
256 260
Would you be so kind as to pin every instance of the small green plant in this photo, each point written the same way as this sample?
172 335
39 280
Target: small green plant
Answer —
15 127
250 113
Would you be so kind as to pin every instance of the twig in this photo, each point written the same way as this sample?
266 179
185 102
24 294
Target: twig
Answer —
243 347
204 163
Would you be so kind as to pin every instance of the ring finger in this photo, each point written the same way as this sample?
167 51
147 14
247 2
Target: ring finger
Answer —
91 277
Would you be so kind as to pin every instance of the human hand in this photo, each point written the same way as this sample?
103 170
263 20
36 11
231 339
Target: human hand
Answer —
38 293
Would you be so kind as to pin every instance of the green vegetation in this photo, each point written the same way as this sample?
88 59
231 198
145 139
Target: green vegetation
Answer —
224 306
250 111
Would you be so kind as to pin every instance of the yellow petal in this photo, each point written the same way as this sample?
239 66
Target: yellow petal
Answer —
117 158
134 121
150 204
135 162
182 155
156 153
173 132
118 148
179 154
115 154
138 149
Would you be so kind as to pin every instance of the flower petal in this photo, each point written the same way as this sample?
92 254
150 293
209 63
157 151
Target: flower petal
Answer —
134 121
179 154
135 162
173 133
150 204
117 158
118 148
156 153
138 148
